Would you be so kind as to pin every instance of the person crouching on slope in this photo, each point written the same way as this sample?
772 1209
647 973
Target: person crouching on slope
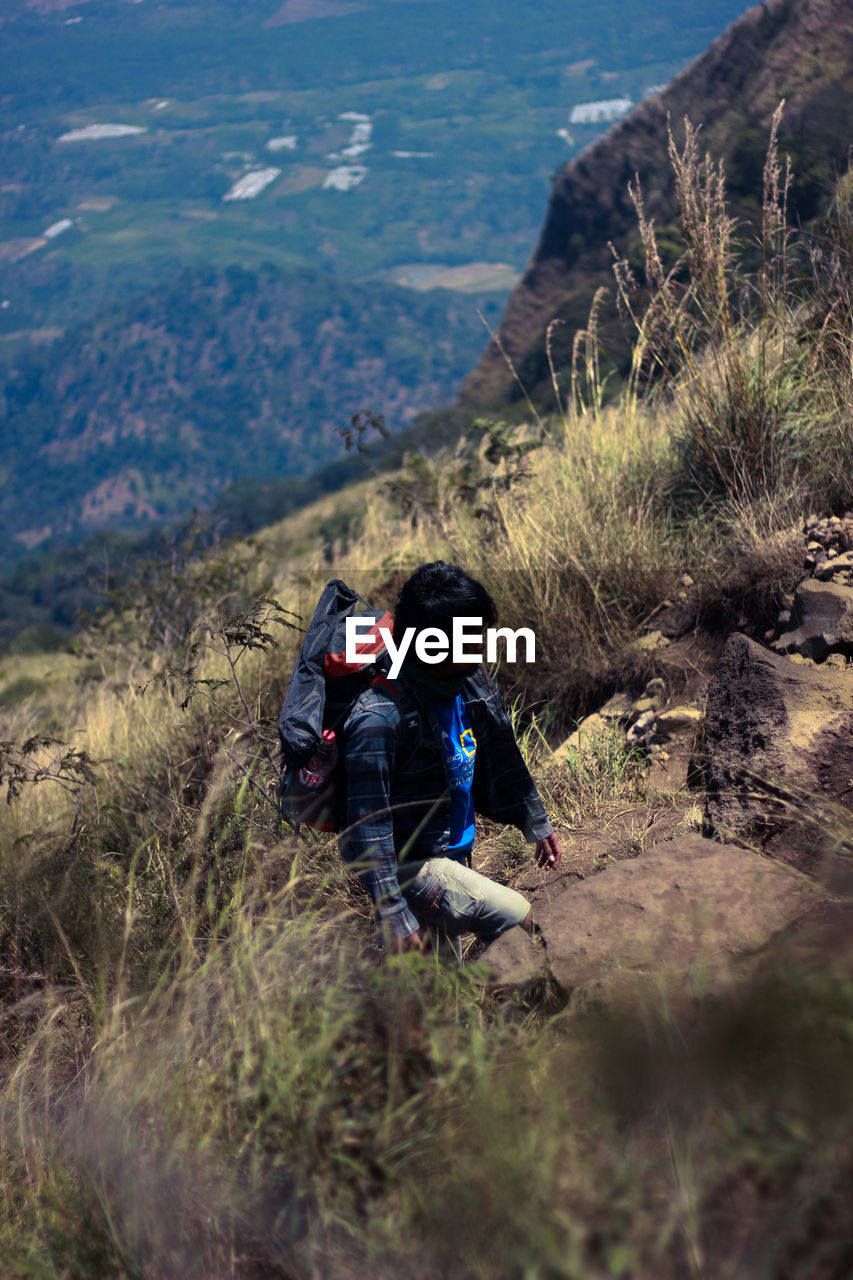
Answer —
424 753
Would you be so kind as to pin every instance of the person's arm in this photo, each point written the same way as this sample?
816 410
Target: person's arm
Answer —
371 738
504 789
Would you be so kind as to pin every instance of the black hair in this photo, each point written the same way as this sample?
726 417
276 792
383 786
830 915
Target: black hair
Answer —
436 594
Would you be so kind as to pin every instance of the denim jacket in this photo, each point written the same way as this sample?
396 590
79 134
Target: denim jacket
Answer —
398 805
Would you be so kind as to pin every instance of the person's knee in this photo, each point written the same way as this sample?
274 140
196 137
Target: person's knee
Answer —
467 901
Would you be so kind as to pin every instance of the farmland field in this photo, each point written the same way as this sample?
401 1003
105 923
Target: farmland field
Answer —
398 134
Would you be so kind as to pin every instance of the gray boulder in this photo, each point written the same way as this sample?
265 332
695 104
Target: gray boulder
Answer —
821 621
678 915
778 746
839 569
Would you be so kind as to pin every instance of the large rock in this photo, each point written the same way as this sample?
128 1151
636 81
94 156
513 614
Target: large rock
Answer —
838 570
778 743
676 719
595 726
679 914
821 621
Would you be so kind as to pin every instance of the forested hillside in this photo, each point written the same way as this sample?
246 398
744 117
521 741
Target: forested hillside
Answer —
166 399
398 146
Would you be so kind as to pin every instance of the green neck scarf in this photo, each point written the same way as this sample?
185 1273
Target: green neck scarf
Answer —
430 685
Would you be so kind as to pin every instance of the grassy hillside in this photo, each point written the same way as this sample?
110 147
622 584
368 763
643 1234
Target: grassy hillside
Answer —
207 1069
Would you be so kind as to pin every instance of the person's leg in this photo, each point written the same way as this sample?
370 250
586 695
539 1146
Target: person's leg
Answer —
456 899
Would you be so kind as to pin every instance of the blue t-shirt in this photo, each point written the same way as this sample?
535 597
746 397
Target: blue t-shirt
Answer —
460 747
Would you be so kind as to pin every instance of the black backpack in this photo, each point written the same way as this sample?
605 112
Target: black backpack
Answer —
322 691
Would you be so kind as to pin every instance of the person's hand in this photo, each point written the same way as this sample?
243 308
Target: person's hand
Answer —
406 942
548 852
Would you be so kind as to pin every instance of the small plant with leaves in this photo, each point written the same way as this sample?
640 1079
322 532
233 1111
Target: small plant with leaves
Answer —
227 638
44 759
156 608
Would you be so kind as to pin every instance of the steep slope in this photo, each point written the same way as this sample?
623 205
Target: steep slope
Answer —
799 50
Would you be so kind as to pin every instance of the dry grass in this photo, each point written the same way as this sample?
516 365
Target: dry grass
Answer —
577 551
280 1105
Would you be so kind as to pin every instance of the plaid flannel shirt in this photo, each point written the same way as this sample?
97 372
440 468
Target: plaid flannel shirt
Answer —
398 805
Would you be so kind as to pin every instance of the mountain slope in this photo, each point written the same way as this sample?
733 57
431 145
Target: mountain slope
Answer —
163 401
799 50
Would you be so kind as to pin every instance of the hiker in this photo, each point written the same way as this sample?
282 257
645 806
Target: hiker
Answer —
423 753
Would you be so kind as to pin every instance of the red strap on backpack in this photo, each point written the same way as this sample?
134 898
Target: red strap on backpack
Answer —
335 665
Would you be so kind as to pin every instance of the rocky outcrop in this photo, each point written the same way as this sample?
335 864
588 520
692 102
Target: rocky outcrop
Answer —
646 724
615 713
680 914
827 536
799 50
821 621
778 747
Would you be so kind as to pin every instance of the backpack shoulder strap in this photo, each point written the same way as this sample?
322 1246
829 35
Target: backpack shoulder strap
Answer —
409 711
